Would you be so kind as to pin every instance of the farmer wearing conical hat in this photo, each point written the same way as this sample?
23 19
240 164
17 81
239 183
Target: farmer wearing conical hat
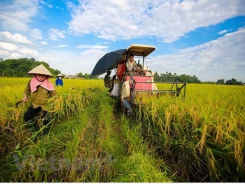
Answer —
59 80
39 89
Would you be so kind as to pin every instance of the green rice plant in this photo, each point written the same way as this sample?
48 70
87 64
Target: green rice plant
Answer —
67 102
208 122
200 138
140 165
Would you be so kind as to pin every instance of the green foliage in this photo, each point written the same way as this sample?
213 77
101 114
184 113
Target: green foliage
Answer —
86 76
202 137
169 77
229 82
21 67
233 82
220 81
80 74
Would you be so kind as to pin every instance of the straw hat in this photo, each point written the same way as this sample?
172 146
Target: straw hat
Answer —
40 69
60 75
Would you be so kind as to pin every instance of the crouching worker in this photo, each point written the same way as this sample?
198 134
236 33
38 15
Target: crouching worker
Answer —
108 81
115 86
112 84
39 89
59 80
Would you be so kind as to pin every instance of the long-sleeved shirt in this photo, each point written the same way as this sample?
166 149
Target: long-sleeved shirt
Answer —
130 65
39 97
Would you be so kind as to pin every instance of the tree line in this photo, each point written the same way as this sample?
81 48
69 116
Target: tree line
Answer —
169 77
21 67
86 76
229 82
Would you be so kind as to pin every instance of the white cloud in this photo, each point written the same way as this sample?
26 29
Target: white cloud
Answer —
213 60
18 14
15 55
168 20
69 62
46 4
61 46
10 51
59 8
4 53
43 43
8 46
36 33
49 58
14 38
28 52
50 5
16 46
54 34
92 47
222 32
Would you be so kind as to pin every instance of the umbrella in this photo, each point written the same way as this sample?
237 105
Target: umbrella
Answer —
107 62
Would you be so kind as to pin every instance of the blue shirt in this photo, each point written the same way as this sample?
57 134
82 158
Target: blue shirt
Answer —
59 82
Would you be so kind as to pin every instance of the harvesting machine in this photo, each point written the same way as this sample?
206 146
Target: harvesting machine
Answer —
140 80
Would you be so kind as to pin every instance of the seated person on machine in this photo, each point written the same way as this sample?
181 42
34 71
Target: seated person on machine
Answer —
133 67
131 64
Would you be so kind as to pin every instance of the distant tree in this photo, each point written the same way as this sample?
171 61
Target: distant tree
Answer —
233 82
195 79
86 76
93 77
189 78
220 81
80 74
21 67
169 77
157 77
209 82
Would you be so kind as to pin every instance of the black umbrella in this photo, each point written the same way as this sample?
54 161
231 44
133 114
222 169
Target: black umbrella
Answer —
107 62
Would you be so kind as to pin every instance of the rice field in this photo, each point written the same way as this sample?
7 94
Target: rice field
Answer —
200 138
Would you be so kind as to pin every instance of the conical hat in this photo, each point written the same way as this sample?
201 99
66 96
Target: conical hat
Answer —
60 75
40 69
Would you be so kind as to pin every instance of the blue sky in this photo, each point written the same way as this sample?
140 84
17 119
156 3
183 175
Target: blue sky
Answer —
205 38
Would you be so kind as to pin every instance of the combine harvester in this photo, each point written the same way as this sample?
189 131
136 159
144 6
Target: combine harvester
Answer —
139 81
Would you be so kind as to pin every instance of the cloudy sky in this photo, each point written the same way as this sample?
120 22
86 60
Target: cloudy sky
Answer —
205 38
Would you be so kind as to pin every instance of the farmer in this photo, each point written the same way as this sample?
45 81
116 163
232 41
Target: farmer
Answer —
115 87
112 83
39 89
131 63
59 80
107 80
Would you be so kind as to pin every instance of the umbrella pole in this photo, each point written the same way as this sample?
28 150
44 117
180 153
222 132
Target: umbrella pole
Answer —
143 62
